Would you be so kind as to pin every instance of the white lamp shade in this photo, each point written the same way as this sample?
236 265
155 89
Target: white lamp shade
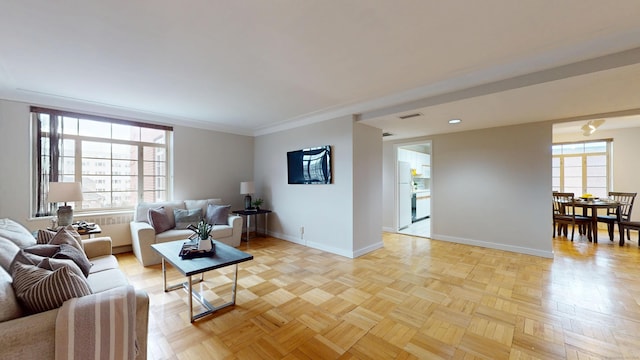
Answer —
246 187
65 192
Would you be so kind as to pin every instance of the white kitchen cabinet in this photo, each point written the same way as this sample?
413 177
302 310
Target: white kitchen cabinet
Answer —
423 206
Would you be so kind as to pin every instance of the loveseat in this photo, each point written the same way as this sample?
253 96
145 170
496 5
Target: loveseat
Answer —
172 219
28 335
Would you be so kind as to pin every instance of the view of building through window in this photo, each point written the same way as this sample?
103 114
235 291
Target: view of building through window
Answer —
119 163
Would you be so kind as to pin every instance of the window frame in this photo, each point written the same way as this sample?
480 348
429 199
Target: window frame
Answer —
584 155
39 209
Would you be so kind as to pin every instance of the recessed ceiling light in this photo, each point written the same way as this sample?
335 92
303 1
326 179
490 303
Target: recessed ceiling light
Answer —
455 121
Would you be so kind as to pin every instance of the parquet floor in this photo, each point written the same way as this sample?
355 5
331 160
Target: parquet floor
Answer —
414 299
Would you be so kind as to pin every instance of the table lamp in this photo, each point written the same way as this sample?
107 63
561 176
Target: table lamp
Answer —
247 188
65 192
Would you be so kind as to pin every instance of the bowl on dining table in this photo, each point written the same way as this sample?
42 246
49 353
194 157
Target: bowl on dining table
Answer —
588 198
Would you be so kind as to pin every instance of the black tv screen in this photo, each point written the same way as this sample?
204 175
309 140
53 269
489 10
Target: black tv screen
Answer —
309 166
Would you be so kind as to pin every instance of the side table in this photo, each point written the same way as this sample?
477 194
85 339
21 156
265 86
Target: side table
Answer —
89 232
253 212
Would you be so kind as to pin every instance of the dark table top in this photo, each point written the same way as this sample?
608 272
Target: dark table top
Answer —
225 255
251 212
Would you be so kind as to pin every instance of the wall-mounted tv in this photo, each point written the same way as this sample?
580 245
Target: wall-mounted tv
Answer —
310 166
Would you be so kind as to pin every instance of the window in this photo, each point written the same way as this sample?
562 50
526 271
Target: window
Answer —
118 162
582 167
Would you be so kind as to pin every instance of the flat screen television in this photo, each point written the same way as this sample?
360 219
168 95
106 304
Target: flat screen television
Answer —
309 166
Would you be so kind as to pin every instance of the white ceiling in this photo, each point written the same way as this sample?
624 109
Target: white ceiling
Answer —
255 66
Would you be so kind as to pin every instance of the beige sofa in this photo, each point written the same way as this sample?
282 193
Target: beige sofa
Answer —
25 336
143 233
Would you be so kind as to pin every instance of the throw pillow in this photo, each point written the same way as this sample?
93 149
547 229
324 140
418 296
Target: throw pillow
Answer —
78 257
202 204
33 255
66 236
184 218
45 235
159 220
23 257
55 264
41 290
16 233
44 250
218 214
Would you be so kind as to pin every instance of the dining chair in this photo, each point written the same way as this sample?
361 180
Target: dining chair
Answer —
564 214
626 205
628 225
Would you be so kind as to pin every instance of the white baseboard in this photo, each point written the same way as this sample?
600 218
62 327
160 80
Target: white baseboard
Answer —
330 249
485 244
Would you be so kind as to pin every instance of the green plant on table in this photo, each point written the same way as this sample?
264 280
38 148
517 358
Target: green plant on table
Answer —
203 230
257 202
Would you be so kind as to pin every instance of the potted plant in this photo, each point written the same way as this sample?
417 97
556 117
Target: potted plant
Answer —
204 241
257 202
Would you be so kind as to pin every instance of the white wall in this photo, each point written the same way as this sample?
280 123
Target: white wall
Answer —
227 159
626 148
367 189
211 164
325 211
15 189
490 188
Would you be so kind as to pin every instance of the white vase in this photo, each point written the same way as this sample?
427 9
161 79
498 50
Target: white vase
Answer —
204 244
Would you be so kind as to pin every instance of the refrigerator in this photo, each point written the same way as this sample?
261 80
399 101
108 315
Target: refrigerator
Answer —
405 192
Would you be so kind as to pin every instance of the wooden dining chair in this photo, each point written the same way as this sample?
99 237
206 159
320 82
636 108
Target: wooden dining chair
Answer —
564 214
611 218
628 225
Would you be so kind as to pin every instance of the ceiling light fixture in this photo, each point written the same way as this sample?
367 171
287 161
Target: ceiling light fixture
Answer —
591 126
408 116
455 121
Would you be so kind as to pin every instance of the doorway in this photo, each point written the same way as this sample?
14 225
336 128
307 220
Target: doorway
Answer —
414 189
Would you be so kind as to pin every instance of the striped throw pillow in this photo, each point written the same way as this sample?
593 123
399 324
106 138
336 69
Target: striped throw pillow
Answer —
44 236
41 290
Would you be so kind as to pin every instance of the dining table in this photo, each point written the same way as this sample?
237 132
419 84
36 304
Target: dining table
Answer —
593 205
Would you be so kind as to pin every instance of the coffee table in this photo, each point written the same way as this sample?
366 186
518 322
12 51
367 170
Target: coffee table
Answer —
225 256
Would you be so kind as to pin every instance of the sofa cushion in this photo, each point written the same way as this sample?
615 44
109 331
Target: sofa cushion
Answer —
218 214
103 263
16 233
8 251
77 256
9 308
202 204
142 209
159 219
105 280
41 290
173 234
186 217
221 231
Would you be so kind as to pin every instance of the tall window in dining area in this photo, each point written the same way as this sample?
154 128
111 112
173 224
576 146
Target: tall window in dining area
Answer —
582 167
118 162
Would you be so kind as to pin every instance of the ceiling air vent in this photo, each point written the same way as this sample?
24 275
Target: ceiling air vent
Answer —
385 134
409 116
